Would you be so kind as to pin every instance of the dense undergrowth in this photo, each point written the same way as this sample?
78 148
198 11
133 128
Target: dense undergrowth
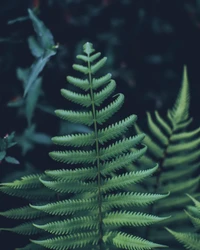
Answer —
117 185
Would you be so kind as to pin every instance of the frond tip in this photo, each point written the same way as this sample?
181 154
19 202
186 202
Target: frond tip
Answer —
126 241
190 241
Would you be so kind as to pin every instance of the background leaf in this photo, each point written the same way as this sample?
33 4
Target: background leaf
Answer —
11 159
2 155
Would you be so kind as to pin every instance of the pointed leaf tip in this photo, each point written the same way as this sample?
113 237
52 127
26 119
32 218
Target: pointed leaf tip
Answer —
88 48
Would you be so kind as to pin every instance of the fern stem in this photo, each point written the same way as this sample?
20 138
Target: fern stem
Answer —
97 155
159 173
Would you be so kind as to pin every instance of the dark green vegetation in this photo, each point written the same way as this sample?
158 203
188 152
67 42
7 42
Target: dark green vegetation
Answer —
191 239
176 149
105 190
94 210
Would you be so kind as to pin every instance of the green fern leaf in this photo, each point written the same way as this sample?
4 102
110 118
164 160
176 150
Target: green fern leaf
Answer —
82 239
22 213
185 135
195 220
80 83
72 175
69 187
176 149
126 179
130 218
69 206
120 147
130 199
75 117
155 130
95 67
179 112
121 161
70 225
31 181
104 93
41 193
83 100
88 48
81 68
99 82
125 241
84 212
104 114
27 228
115 130
77 140
180 148
73 157
189 240
174 202
163 124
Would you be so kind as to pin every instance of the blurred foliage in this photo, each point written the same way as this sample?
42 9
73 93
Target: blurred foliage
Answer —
147 43
6 142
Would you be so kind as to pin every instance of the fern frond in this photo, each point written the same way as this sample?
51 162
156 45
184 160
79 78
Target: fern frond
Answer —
120 147
70 225
130 218
41 193
130 199
182 186
102 95
182 125
185 135
99 82
89 59
122 181
179 173
68 206
27 228
22 213
74 156
80 83
84 212
72 175
153 147
163 124
76 140
191 241
174 202
155 130
186 159
177 152
83 100
195 220
126 241
82 239
80 68
69 187
104 114
180 109
180 148
121 161
95 67
30 181
196 202
75 117
115 130
94 57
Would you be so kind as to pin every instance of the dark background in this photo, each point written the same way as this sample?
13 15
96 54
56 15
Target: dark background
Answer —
147 42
